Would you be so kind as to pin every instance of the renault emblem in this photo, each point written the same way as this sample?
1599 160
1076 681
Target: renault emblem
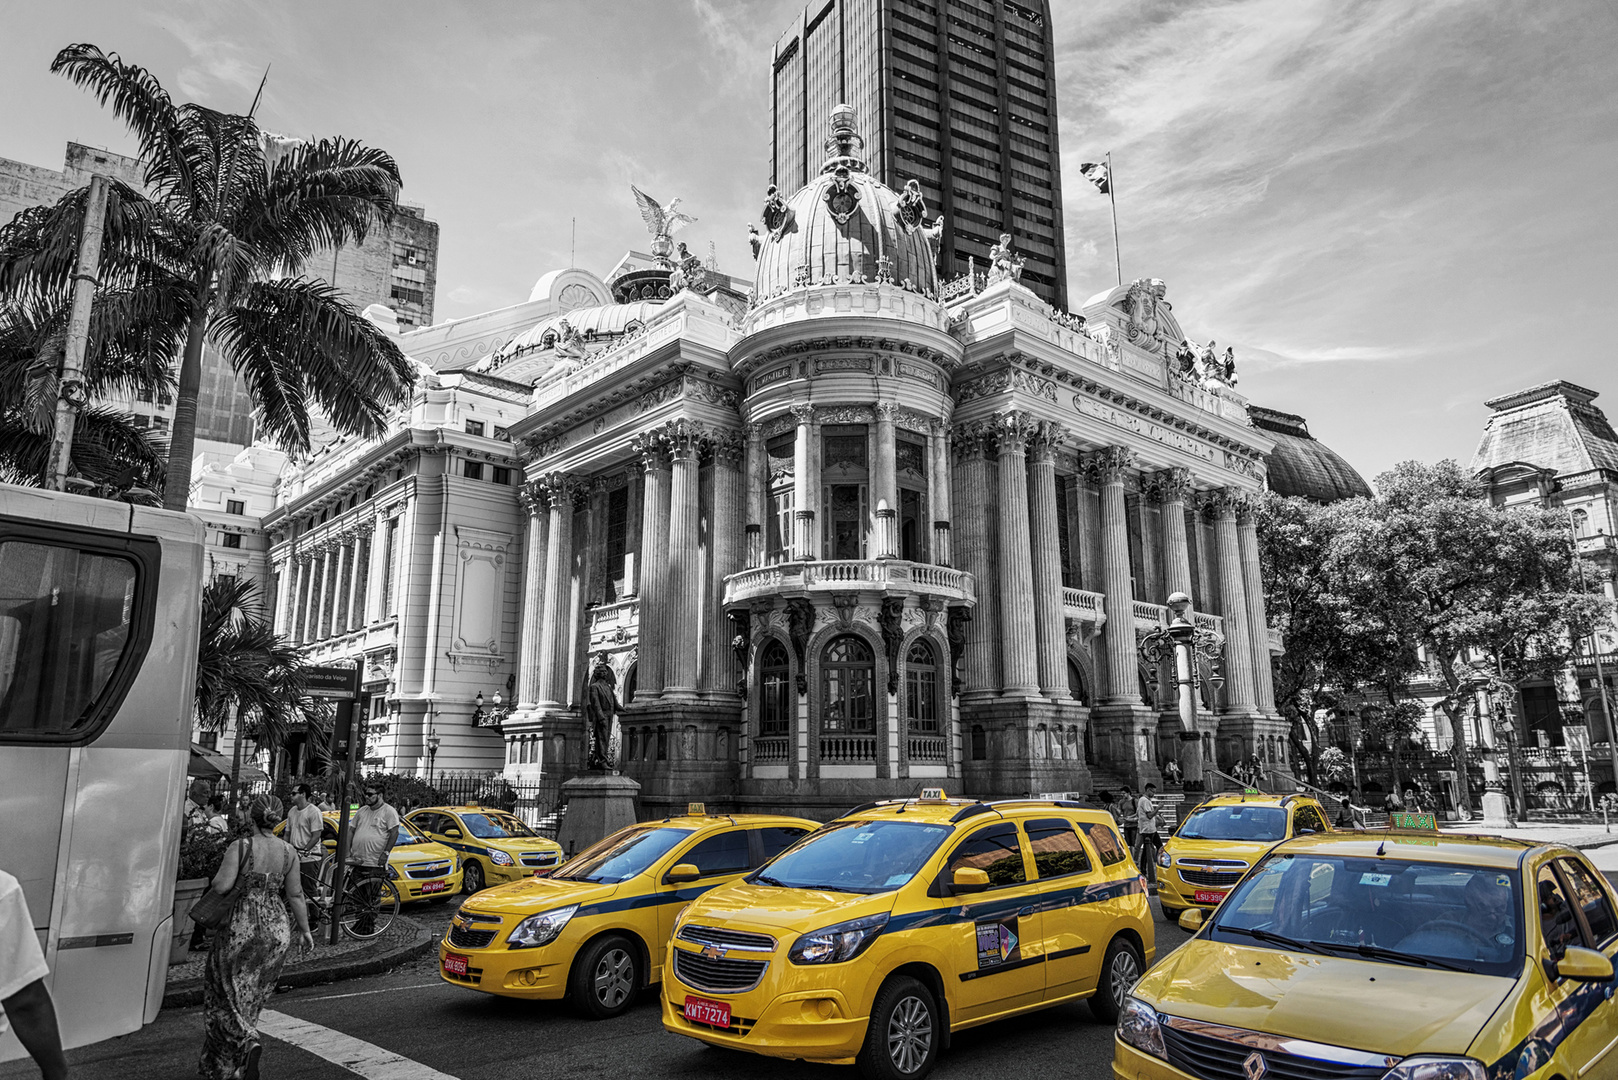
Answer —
714 952
1254 1066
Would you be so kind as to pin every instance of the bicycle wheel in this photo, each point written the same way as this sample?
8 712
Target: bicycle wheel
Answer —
368 908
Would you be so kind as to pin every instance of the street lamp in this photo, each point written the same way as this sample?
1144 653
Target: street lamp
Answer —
489 716
432 754
1188 644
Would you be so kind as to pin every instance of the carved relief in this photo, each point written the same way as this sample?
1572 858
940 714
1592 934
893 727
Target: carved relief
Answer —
800 614
891 620
959 616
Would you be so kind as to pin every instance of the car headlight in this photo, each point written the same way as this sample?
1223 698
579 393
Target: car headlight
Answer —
540 929
1437 1068
499 858
393 872
1138 1026
457 864
838 942
1164 859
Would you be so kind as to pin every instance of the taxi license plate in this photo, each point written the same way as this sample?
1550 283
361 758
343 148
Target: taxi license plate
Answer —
433 886
702 1011
455 965
1205 896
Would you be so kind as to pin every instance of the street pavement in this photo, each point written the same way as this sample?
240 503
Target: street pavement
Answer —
410 1025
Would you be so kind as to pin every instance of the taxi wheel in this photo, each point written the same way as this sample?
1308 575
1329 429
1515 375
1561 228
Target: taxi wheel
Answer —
1121 969
1172 914
472 878
606 976
901 1041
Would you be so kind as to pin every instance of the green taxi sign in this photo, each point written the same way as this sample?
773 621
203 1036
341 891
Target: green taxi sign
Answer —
1251 791
1413 822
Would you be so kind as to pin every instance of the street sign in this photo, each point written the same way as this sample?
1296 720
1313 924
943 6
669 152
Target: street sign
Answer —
340 683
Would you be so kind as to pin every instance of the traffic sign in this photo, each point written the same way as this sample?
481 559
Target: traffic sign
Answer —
340 683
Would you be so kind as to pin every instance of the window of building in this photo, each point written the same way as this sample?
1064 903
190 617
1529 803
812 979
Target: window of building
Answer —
474 427
234 506
780 452
160 423
1064 537
617 543
993 850
921 689
1057 849
775 691
208 740
503 434
144 394
406 295
845 469
980 743
232 540
502 476
472 470
389 565
846 674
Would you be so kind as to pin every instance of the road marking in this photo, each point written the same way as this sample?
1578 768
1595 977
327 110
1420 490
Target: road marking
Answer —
355 1055
362 993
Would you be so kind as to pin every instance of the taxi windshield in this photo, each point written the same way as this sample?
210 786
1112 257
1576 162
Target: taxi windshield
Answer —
855 856
1448 917
1234 822
409 835
622 855
495 826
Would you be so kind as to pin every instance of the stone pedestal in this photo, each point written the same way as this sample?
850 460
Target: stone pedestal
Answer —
1124 738
1497 810
598 804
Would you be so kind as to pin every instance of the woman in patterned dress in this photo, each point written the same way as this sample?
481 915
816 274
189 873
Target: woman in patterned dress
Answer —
247 952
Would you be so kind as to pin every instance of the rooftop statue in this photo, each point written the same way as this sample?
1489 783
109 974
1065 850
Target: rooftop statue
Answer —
662 222
1004 262
777 214
754 239
912 206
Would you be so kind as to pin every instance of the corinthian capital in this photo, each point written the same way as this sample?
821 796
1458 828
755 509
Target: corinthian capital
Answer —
727 446
684 438
803 414
970 440
1048 437
563 490
648 446
887 410
1225 502
1012 430
1108 465
1168 485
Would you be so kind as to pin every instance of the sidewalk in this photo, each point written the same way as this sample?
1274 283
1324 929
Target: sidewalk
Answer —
1583 835
349 958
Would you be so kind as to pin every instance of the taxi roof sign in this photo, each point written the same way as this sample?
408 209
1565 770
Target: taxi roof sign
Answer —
696 809
932 794
1404 822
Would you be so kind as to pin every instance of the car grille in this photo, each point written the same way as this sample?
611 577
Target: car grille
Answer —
466 937
427 870
725 976
1210 878
472 977
1215 1059
538 858
728 939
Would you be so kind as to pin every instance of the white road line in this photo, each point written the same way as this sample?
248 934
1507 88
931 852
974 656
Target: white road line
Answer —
356 1055
362 993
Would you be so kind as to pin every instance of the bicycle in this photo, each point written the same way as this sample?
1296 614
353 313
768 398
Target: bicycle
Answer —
358 894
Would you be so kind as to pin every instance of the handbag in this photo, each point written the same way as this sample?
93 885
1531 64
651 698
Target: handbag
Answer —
214 909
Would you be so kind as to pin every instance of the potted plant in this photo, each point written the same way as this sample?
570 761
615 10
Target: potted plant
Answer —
201 850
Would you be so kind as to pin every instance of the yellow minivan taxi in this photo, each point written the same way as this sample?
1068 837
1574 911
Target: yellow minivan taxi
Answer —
419 868
495 847
1389 956
890 928
1221 838
595 930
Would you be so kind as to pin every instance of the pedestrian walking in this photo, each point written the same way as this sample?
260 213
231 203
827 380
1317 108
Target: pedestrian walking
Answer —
194 812
25 1002
1146 824
218 821
303 832
376 830
1125 813
250 947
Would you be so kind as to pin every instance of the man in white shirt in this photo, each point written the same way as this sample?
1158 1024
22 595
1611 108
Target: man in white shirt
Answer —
1150 840
23 997
303 833
376 830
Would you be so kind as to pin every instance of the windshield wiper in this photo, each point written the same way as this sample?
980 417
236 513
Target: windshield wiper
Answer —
1266 935
1380 952
767 880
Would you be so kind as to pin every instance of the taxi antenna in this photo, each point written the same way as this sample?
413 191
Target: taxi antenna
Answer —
1382 848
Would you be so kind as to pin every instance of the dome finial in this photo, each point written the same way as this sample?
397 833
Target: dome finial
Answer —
846 146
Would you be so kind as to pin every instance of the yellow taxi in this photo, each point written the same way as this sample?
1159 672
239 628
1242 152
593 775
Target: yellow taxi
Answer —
419 868
1388 955
874 939
1224 836
595 930
494 846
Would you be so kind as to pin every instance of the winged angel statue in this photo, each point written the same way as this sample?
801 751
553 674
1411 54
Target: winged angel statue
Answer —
662 222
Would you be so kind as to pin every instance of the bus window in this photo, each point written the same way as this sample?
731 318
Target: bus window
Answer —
69 637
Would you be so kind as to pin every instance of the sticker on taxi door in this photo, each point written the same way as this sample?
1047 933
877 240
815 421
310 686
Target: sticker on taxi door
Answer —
997 942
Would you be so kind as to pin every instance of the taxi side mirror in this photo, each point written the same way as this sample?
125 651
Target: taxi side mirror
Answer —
1584 965
1306 832
969 880
682 872
1191 919
453 834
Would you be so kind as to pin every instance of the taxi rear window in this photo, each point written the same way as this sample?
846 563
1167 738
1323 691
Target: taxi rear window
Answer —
1108 847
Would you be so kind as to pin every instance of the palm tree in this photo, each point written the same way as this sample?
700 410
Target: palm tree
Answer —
214 254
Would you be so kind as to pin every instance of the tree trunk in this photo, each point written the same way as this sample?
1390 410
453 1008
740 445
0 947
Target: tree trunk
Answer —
183 438
235 768
1457 729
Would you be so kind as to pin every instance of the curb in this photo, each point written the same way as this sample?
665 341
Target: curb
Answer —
350 966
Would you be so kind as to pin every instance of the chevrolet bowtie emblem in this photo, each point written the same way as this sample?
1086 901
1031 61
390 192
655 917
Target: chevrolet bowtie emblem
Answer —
714 952
1254 1066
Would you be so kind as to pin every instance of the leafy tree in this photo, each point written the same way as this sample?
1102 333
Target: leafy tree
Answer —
215 253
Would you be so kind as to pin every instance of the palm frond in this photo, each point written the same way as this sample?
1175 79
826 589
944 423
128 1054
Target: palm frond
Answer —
322 195
140 101
108 451
39 248
243 665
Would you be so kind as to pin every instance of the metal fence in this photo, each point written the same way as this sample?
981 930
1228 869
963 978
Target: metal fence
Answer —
532 803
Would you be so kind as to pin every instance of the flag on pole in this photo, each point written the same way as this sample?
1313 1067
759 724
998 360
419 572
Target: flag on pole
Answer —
1098 174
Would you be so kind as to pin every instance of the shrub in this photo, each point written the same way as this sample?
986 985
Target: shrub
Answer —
200 853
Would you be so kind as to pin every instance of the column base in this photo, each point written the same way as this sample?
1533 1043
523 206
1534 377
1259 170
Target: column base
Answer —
1497 811
1124 738
1035 746
598 805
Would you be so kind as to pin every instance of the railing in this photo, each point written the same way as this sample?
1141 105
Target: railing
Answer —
607 618
841 575
1088 606
848 749
1598 544
1276 642
771 749
1150 614
1209 622
927 748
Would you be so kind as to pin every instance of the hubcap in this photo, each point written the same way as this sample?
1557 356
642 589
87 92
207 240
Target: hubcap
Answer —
1125 973
910 1034
615 978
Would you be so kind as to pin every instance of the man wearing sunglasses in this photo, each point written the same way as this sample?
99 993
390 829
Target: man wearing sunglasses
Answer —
376 830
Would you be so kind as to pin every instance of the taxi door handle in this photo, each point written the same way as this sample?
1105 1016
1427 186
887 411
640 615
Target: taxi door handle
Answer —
1025 912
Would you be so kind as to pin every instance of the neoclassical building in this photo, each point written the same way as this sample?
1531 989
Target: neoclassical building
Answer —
856 533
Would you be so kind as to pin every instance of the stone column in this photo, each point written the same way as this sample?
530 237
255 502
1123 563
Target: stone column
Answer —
324 595
356 582
339 590
287 603
941 495
1170 488
1019 657
376 574
653 560
555 631
533 501
681 640
756 474
721 674
805 484
1111 466
1224 504
300 603
884 482
1257 620
975 554
1047 556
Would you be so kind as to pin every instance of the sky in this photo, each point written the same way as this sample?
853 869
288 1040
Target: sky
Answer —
1392 209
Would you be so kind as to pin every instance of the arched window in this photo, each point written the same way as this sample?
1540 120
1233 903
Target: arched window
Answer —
774 691
628 694
1075 682
846 678
1581 523
921 688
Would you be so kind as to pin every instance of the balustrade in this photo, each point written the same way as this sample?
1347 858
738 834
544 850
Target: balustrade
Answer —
771 750
848 749
885 575
927 748
1147 614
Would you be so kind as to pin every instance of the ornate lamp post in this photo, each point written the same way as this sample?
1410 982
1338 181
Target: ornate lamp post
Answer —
489 716
432 754
1187 643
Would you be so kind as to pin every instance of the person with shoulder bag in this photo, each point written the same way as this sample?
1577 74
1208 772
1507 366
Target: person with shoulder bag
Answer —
255 898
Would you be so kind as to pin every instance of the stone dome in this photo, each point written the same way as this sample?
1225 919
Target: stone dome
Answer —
842 225
1302 465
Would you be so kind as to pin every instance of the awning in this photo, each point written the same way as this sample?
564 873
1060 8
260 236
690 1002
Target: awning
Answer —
209 764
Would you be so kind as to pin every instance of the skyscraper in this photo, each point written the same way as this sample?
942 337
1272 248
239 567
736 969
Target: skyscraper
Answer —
958 95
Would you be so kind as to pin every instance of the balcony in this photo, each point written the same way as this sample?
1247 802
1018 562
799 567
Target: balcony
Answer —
864 575
1085 607
613 624
848 749
772 750
1150 616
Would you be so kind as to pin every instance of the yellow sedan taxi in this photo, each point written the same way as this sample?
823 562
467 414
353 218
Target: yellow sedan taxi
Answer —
877 937
1221 838
1388 955
419 868
595 930
495 847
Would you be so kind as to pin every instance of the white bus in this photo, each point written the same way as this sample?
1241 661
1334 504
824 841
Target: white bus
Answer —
99 606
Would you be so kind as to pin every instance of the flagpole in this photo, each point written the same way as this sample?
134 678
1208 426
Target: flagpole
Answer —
1117 256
